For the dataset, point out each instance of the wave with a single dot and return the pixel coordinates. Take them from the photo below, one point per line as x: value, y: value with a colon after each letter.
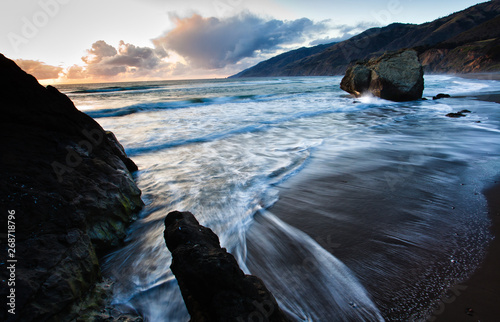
x: 258, y: 126
x: 154, y: 106
x: 114, y: 89
x: 201, y: 139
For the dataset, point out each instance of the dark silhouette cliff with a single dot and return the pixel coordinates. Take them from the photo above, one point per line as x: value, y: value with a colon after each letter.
x: 69, y: 189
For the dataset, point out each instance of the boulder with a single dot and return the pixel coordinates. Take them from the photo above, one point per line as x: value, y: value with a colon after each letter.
x: 213, y: 286
x: 440, y: 96
x: 396, y: 76
x: 458, y: 114
x: 69, y: 186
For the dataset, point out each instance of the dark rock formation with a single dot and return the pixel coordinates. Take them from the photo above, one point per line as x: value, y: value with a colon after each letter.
x: 458, y: 114
x: 440, y: 96
x: 68, y: 184
x: 393, y: 76
x: 213, y: 286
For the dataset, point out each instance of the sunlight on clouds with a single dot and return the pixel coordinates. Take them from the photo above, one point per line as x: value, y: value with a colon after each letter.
x: 174, y: 58
x: 196, y: 46
x: 214, y: 43
x: 38, y: 69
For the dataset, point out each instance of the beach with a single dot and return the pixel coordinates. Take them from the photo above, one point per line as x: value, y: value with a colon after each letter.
x: 323, y: 201
x: 482, y: 292
x: 237, y: 160
x: 348, y: 209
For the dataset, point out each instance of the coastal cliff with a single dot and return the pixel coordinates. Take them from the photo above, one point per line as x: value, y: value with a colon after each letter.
x: 463, y: 42
x: 67, y: 196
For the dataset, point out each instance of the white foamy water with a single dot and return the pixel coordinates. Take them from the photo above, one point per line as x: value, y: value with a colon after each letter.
x: 223, y: 148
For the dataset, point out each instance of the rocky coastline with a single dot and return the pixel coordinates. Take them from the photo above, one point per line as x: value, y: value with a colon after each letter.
x: 68, y: 193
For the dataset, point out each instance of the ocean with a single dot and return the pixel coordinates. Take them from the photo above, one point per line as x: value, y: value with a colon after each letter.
x: 348, y: 209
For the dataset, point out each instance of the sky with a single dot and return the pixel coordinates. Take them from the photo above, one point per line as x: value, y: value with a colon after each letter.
x: 75, y: 41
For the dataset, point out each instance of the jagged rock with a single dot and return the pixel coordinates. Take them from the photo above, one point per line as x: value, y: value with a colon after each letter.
x: 70, y: 186
x: 458, y: 114
x: 454, y: 115
x: 394, y: 76
x: 440, y: 96
x: 213, y: 286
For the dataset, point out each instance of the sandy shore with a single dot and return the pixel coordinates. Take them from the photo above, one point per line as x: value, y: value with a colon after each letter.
x: 310, y: 202
x: 481, y: 293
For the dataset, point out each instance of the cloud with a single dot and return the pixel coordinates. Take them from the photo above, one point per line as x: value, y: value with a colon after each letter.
x: 196, y: 47
x: 213, y: 43
x: 105, y: 61
x: 100, y: 50
x: 38, y: 69
x: 133, y: 56
x: 327, y: 40
x: 345, y: 32
x: 75, y: 72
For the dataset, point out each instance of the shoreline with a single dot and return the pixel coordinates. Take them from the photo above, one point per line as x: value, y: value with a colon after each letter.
x: 316, y: 197
x: 482, y: 292
x: 482, y: 76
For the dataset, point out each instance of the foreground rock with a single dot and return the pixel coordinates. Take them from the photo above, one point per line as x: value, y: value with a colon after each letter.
x: 213, y: 286
x: 68, y: 187
x: 394, y: 76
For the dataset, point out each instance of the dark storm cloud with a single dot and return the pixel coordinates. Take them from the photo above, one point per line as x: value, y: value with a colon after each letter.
x: 215, y: 43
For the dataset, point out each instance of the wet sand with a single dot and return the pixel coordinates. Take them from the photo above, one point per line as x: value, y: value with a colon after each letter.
x: 298, y: 207
x: 318, y: 204
x: 481, y: 293
x: 480, y: 300
x: 378, y: 232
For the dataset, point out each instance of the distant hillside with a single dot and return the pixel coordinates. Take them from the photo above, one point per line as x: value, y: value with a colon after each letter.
x: 275, y: 64
x: 466, y: 41
x: 476, y: 50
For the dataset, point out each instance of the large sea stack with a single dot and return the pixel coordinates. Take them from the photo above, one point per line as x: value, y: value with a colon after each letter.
x: 213, y: 286
x: 396, y: 76
x: 67, y: 195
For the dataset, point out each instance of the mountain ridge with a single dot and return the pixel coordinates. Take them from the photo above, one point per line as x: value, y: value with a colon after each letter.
x: 455, y: 43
